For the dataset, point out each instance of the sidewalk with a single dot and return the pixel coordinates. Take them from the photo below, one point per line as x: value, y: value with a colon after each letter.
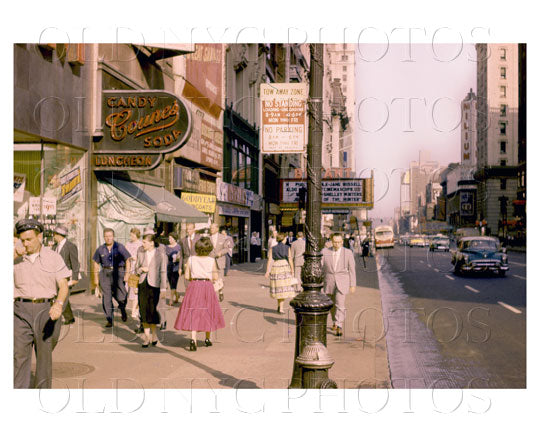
x: 254, y: 350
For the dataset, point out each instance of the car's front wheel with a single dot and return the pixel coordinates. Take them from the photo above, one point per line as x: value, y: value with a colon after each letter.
x: 502, y: 273
x: 457, y: 269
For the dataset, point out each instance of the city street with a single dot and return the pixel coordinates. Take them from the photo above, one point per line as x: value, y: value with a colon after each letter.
x: 255, y: 350
x: 449, y: 331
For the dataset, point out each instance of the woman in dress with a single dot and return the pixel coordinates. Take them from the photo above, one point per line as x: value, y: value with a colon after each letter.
x: 151, y: 266
x: 200, y: 310
x: 133, y: 246
x: 280, y: 270
x: 173, y: 267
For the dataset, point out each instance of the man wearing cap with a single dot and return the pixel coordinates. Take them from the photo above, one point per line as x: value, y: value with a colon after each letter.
x: 69, y: 253
x: 111, y: 279
x: 40, y: 290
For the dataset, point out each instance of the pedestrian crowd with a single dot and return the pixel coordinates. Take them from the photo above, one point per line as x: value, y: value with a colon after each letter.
x: 136, y: 276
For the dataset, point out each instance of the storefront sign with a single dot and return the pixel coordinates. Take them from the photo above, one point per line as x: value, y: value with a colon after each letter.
x: 211, y: 146
x: 115, y: 162
x: 49, y: 206
x: 70, y: 184
x: 143, y: 122
x: 202, y: 202
x: 343, y: 191
x: 230, y: 210
x: 229, y: 193
x: 273, y: 209
x: 466, y: 204
x: 283, y: 118
x: 19, y: 184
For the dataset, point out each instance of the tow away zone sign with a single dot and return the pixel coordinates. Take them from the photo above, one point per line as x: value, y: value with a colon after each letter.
x: 283, y: 118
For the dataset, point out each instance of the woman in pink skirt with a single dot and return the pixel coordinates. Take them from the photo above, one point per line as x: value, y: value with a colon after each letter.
x: 200, y: 310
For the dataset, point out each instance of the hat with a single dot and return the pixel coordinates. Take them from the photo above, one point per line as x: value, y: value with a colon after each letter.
x: 148, y: 231
x: 61, y: 229
x: 28, y: 224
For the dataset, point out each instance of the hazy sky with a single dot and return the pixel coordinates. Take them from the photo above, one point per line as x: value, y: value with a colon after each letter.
x: 389, y: 135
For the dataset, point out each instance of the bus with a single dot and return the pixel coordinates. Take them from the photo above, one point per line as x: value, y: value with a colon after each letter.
x: 384, y: 237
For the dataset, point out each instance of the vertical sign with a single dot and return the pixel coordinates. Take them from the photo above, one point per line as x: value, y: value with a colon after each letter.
x: 283, y: 118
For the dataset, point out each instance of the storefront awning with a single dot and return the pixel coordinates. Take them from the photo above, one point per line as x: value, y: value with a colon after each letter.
x: 168, y: 207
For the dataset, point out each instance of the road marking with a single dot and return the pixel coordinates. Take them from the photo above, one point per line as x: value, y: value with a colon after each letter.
x: 518, y: 264
x: 470, y: 288
x: 429, y: 265
x: 437, y: 270
x: 519, y: 277
x: 450, y: 277
x: 422, y: 261
x: 513, y: 309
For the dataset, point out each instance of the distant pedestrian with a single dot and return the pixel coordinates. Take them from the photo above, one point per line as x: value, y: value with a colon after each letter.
x: 290, y: 238
x: 188, y: 249
x: 40, y: 290
x: 70, y: 254
x: 220, y: 247
x: 340, y: 278
x: 228, y: 256
x: 110, y: 281
x: 280, y: 270
x: 133, y: 246
x: 174, y: 265
x: 200, y: 310
x: 151, y: 266
x: 255, y: 247
x: 297, y: 251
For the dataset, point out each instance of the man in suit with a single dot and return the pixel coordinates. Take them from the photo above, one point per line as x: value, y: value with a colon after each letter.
x: 228, y: 256
x: 69, y: 253
x: 340, y: 278
x: 298, y: 248
x: 188, y: 249
x: 220, y: 243
x: 290, y: 239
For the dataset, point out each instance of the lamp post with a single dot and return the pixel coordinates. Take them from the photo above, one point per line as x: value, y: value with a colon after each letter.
x: 311, y: 306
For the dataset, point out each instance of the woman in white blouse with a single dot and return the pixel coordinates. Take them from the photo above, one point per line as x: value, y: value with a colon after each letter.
x: 200, y: 310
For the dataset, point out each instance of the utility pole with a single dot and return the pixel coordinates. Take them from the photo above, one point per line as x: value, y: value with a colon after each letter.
x: 311, y: 306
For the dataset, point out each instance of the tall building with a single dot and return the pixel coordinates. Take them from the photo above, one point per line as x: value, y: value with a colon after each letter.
x: 497, y: 133
x: 421, y: 173
x: 468, y: 130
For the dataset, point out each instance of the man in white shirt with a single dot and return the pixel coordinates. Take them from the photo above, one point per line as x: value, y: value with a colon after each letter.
x: 340, y: 278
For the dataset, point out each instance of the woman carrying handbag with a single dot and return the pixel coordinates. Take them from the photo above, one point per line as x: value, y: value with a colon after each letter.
x: 151, y: 266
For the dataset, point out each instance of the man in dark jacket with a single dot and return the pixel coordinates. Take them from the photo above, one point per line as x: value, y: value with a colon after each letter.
x: 68, y: 251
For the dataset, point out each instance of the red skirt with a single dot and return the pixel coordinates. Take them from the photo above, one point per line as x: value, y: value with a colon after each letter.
x: 200, y: 310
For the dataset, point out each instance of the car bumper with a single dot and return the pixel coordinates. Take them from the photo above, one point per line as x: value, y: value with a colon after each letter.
x: 485, y: 267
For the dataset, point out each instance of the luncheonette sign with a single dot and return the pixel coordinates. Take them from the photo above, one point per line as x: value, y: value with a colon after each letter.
x: 138, y: 127
x: 283, y: 118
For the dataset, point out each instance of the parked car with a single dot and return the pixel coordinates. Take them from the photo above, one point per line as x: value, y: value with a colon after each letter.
x: 418, y: 240
x: 440, y: 242
x: 480, y: 254
x: 466, y: 232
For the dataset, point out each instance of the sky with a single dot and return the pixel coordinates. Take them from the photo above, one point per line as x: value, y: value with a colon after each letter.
x: 408, y: 99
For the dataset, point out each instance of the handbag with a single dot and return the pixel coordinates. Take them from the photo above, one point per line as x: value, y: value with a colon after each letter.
x: 133, y: 280
x: 218, y: 284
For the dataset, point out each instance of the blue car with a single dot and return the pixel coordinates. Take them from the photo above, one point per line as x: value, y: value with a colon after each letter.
x: 480, y: 254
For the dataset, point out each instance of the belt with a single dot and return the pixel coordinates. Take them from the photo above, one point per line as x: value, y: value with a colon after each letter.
x: 34, y: 300
x: 112, y: 268
x: 206, y: 279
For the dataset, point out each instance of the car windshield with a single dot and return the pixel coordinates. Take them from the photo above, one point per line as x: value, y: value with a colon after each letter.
x: 481, y: 244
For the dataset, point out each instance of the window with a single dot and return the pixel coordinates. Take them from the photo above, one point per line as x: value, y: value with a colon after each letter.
x: 344, y: 58
x: 466, y: 118
x: 503, y: 91
x: 502, y: 128
x: 503, y: 73
x: 502, y: 52
x: 466, y: 135
x: 503, y: 147
x: 503, y: 110
x: 344, y: 77
x: 345, y: 89
x: 503, y: 184
x: 503, y: 162
x: 344, y: 68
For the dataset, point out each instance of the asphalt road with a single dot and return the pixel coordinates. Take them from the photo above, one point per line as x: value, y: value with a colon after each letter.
x: 448, y: 331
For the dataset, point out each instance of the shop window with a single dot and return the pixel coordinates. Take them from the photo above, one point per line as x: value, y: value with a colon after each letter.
x: 503, y: 184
